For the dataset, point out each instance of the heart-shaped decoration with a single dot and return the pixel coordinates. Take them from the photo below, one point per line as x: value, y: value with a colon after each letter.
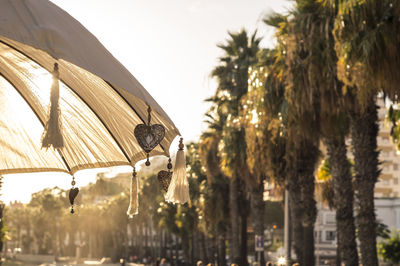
x: 164, y: 178
x: 73, y: 192
x: 149, y: 137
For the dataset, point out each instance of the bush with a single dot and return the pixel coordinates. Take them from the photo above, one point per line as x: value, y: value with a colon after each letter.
x: 389, y: 250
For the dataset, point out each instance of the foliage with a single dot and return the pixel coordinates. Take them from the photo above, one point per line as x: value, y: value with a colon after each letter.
x: 367, y: 31
x: 382, y: 230
x: 390, y: 249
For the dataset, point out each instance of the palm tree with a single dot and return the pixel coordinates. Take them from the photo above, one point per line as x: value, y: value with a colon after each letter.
x: 314, y: 92
x: 302, y: 129
x: 232, y: 76
x: 216, y: 192
x: 282, y: 151
x: 265, y: 143
x: 367, y: 40
x: 312, y: 28
x: 364, y: 132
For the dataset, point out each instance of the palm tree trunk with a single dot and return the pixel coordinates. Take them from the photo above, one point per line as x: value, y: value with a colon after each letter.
x: 192, y: 247
x: 343, y: 200
x: 169, y: 245
x: 146, y: 240
x: 257, y: 209
x: 140, y: 239
x: 364, y: 131
x: 186, y: 247
x: 306, y: 160
x: 234, y: 217
x: 19, y: 236
x: 244, y: 213
x: 204, y: 256
x: 296, y: 215
x: 214, y: 249
x: 221, y: 248
x: 243, y: 236
x: 176, y: 250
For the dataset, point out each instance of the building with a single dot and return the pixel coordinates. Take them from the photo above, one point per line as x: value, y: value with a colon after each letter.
x: 325, y: 236
x: 388, y: 212
x: 388, y: 184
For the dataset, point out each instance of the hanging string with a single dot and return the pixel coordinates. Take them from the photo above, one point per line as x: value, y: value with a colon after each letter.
x: 148, y: 115
x: 169, y: 165
x: 178, y: 190
x: 133, y: 208
x: 149, y: 135
x: 52, y: 135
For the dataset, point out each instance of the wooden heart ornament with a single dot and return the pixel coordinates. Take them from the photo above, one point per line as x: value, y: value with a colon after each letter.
x: 149, y: 137
x: 164, y: 178
x: 73, y: 192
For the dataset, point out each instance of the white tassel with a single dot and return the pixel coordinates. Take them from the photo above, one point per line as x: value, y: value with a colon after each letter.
x: 52, y: 133
x: 178, y: 190
x: 134, y: 199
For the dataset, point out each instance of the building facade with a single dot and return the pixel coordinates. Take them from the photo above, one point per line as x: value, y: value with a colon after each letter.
x: 388, y: 183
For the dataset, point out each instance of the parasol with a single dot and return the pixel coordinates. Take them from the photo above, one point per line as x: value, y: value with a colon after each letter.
x: 66, y: 103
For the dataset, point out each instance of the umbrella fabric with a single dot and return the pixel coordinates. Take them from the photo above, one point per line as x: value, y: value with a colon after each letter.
x: 100, y: 101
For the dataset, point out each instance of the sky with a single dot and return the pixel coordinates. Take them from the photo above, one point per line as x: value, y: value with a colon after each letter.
x: 170, y: 47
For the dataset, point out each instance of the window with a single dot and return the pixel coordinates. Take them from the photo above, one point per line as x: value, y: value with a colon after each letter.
x: 395, y: 181
x: 395, y: 166
x: 330, y: 218
x: 330, y: 235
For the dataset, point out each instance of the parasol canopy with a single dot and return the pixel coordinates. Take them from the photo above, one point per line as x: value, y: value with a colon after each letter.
x: 100, y: 102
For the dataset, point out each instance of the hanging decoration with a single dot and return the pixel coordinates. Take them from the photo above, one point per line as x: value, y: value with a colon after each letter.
x: 149, y: 136
x: 164, y: 177
x: 178, y: 190
x: 73, y: 192
x: 52, y: 135
x: 134, y: 199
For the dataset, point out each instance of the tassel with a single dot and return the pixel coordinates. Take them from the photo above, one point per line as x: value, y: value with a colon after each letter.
x: 178, y: 190
x: 52, y: 134
x: 134, y: 199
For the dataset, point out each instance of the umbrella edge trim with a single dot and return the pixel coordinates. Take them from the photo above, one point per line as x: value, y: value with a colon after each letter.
x: 97, y: 165
x: 31, y: 170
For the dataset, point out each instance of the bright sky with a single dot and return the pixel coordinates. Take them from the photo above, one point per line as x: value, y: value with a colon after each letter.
x: 170, y: 47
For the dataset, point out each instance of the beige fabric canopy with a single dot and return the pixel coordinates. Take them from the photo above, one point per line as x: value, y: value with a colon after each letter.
x: 100, y: 101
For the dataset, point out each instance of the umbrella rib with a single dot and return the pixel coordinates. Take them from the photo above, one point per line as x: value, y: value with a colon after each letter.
x: 69, y: 87
x: 130, y: 105
x: 38, y: 117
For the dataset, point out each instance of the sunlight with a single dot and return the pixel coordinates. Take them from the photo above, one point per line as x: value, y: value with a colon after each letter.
x: 34, y: 182
x: 254, y: 115
x: 281, y: 261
